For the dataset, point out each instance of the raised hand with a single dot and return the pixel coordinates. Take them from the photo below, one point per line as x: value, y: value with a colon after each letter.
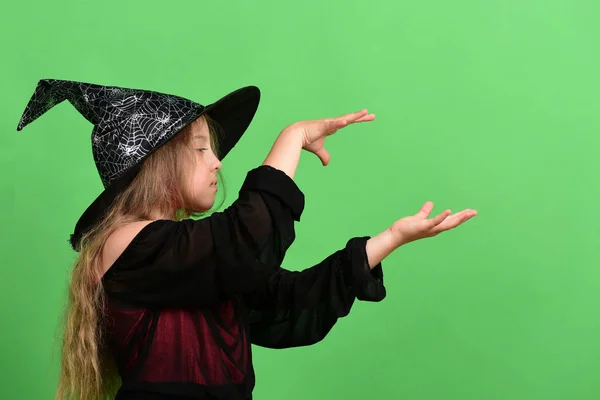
x: 418, y: 226
x: 314, y: 132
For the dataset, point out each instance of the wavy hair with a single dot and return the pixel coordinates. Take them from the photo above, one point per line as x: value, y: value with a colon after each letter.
x: 87, y: 369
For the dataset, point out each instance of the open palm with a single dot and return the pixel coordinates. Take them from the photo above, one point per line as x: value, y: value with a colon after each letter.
x: 418, y: 226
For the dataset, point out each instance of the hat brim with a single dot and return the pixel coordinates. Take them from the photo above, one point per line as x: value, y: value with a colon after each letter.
x: 233, y: 113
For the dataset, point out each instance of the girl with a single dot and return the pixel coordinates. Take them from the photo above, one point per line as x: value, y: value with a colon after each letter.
x: 163, y: 306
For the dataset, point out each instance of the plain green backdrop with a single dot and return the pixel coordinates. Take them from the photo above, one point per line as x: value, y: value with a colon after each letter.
x: 492, y: 105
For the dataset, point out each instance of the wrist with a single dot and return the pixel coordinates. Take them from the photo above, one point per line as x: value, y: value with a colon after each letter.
x: 285, y: 152
x: 380, y: 246
x: 396, y: 238
x: 292, y: 133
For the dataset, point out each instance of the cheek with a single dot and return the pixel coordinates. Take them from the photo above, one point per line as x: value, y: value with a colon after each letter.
x: 199, y: 184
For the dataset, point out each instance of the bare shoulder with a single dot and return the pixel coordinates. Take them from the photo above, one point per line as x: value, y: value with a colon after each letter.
x: 118, y: 241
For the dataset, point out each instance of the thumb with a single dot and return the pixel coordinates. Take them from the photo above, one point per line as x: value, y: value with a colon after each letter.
x: 425, y: 210
x: 323, y: 156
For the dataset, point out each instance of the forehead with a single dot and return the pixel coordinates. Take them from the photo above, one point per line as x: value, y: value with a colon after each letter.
x: 199, y: 138
x: 200, y: 131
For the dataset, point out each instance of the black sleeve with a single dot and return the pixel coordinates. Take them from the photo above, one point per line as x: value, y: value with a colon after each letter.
x: 227, y: 254
x: 299, y: 308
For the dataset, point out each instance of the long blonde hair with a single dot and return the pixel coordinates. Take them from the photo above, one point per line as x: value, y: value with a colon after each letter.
x: 88, y: 370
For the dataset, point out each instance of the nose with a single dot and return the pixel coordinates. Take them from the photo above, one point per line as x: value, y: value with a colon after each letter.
x: 217, y: 164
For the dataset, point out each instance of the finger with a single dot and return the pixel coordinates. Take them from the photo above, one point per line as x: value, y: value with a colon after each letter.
x: 437, y: 220
x: 351, y: 117
x: 457, y: 215
x: 465, y: 214
x: 341, y: 123
x: 425, y: 210
x: 332, y: 125
x: 366, y: 118
x: 323, y: 156
x: 455, y: 220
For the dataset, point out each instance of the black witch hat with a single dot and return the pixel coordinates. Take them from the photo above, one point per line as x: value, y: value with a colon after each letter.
x: 130, y: 124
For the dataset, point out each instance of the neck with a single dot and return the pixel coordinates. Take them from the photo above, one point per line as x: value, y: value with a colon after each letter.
x: 156, y: 214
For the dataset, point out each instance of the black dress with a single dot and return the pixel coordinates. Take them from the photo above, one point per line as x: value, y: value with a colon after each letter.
x: 186, y: 299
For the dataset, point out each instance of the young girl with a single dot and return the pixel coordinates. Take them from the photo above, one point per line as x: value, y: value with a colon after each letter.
x: 163, y: 306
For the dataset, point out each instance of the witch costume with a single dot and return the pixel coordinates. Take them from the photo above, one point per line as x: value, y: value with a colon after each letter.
x: 186, y: 299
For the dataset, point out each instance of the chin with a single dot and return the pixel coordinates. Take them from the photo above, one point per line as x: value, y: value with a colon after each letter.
x: 203, y: 207
x: 200, y: 204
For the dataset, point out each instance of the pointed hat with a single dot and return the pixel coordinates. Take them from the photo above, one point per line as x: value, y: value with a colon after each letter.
x: 130, y: 124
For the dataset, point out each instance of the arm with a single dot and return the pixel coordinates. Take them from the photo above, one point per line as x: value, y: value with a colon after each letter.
x: 285, y: 153
x: 310, y: 136
x: 299, y: 308
x: 206, y: 261
x: 380, y: 246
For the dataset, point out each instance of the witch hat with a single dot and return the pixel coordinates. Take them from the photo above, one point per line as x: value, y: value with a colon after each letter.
x: 130, y: 124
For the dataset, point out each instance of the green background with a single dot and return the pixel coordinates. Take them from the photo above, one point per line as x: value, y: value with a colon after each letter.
x: 492, y: 105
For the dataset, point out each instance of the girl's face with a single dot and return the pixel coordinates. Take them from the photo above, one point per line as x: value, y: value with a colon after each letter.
x: 201, y: 185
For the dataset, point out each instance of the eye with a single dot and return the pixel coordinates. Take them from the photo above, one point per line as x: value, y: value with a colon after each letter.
x: 201, y: 150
